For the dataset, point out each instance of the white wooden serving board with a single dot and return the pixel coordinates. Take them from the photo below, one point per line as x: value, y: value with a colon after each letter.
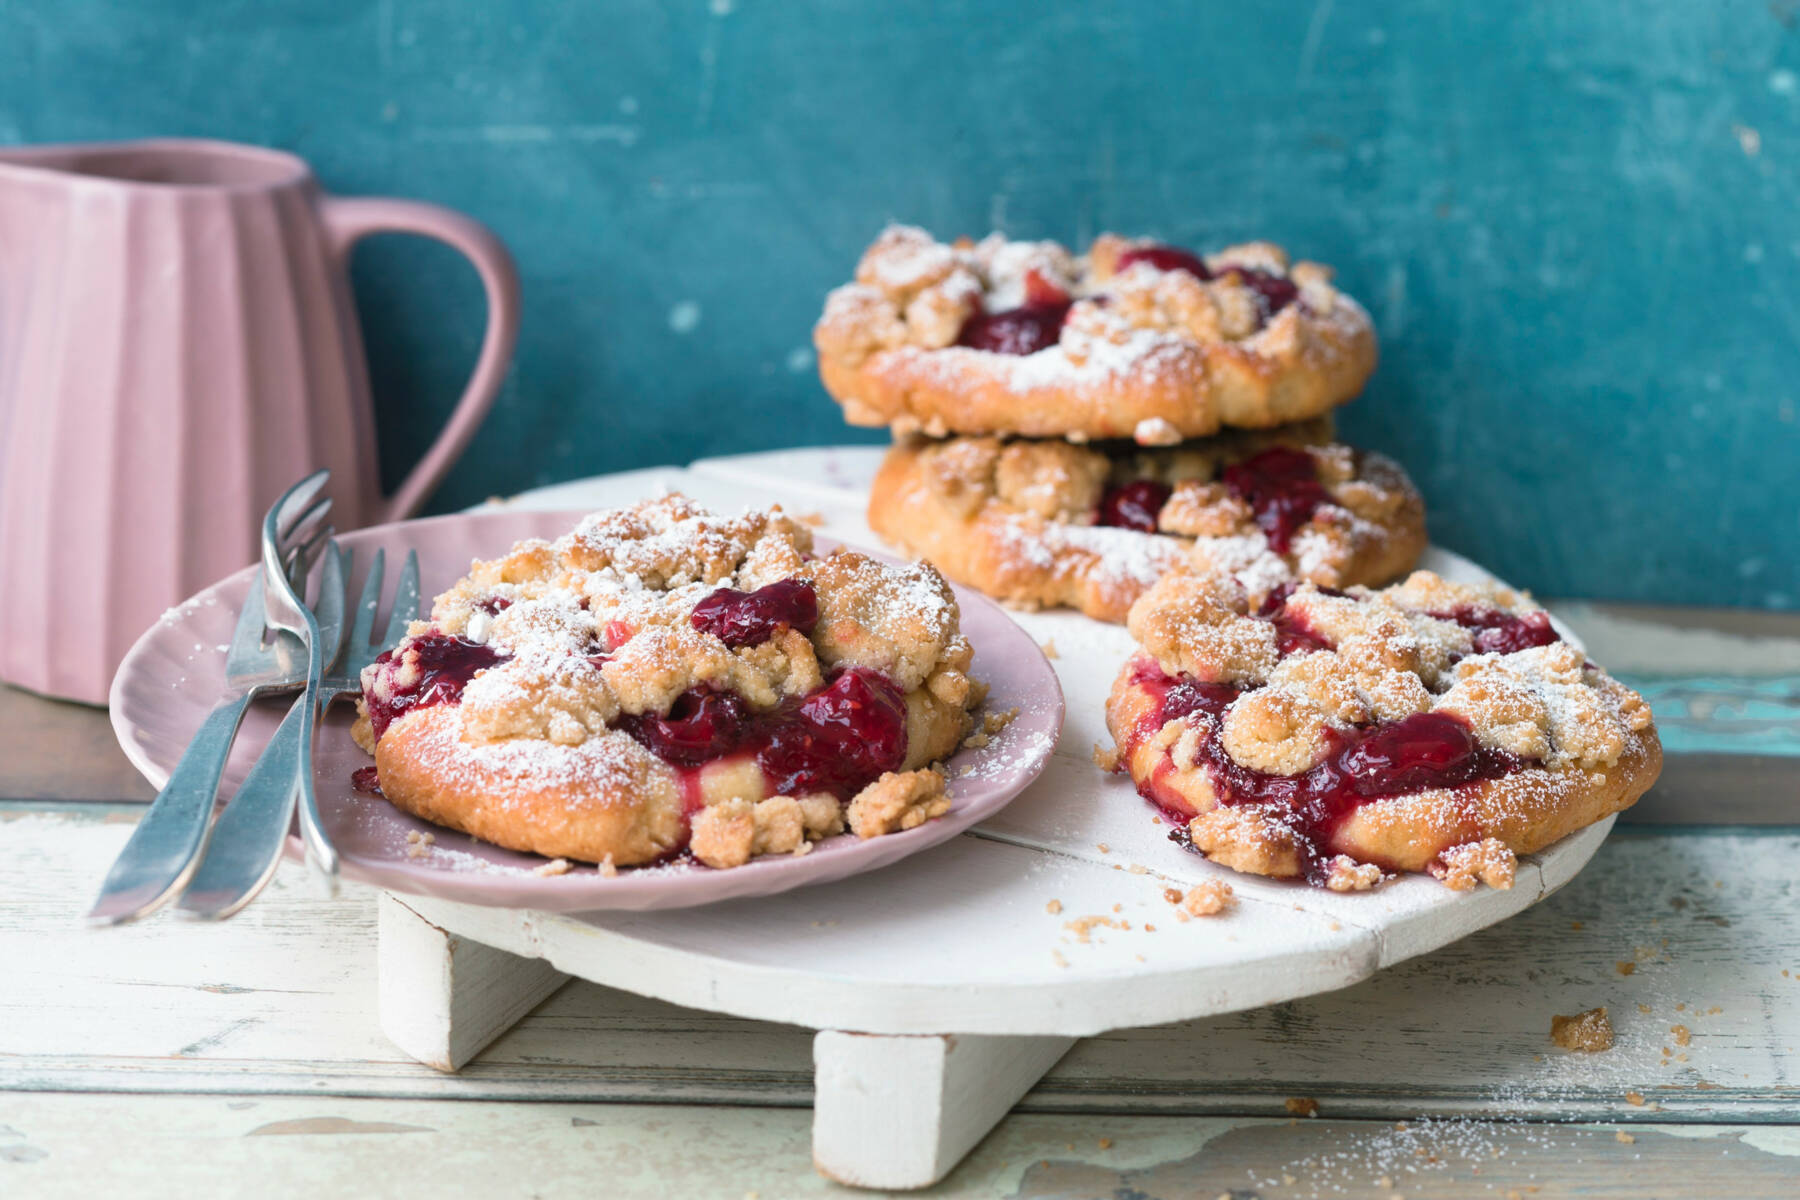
x: 944, y: 986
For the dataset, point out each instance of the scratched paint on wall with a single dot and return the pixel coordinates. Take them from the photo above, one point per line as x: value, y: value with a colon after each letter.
x: 1574, y: 224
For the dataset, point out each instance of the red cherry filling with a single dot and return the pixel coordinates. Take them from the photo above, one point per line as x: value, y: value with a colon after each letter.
x: 700, y: 725
x: 1361, y: 765
x: 839, y: 739
x: 1424, y: 750
x: 493, y: 606
x: 1496, y: 632
x: 445, y: 664
x: 752, y: 618
x: 1134, y: 505
x: 1166, y: 258
x: 1186, y: 696
x: 1041, y: 292
x: 1037, y: 324
x: 366, y: 779
x: 1023, y: 330
x: 1281, y: 486
x: 1273, y: 292
x: 1293, y: 633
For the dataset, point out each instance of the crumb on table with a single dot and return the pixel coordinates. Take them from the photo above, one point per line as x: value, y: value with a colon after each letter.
x: 1301, y: 1106
x: 1203, y: 899
x: 1083, y: 927
x: 1589, y: 1032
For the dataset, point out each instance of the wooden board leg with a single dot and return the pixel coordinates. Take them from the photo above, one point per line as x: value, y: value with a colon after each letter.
x: 443, y: 997
x: 900, y: 1112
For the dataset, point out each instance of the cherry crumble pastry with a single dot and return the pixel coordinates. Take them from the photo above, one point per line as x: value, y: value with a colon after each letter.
x: 1132, y: 340
x: 1042, y: 523
x: 664, y: 679
x: 1338, y: 736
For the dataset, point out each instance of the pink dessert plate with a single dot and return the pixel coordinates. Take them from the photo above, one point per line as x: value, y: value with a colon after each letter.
x: 171, y: 678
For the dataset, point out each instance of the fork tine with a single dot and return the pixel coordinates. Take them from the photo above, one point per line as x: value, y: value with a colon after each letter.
x: 406, y: 600
x: 289, y: 530
x: 305, y: 530
x: 249, y: 629
x: 333, y: 592
x: 299, y: 498
x: 247, y: 638
x: 304, y: 555
x: 291, y: 519
x: 369, y: 602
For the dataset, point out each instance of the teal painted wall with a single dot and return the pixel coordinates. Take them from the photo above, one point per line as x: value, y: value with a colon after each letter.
x: 1575, y: 223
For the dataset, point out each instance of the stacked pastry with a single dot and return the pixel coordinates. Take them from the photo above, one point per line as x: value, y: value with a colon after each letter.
x: 1145, y: 432
x: 1071, y: 428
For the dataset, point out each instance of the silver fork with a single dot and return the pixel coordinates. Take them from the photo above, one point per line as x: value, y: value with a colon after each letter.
x: 164, y: 849
x: 286, y: 609
x: 249, y: 836
x: 247, y: 844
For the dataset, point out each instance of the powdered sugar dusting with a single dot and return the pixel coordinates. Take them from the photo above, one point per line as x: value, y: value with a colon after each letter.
x: 1122, y: 556
x: 606, y: 768
x: 1248, y: 558
x: 1078, y: 361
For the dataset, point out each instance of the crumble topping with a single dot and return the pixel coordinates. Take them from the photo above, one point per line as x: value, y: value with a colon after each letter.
x: 898, y: 801
x: 913, y: 291
x: 1490, y: 861
x: 1345, y: 874
x: 1047, y: 500
x: 1376, y: 657
x: 733, y: 831
x: 1198, y: 625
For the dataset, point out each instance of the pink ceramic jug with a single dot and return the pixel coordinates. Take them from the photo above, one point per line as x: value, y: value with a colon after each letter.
x: 178, y: 344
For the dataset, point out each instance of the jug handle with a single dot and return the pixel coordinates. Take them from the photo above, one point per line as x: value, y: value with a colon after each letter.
x: 348, y: 219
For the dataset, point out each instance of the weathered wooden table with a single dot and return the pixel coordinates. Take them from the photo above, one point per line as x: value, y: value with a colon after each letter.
x: 147, y: 1058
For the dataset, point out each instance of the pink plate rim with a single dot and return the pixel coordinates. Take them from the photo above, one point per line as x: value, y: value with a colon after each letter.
x: 163, y: 690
